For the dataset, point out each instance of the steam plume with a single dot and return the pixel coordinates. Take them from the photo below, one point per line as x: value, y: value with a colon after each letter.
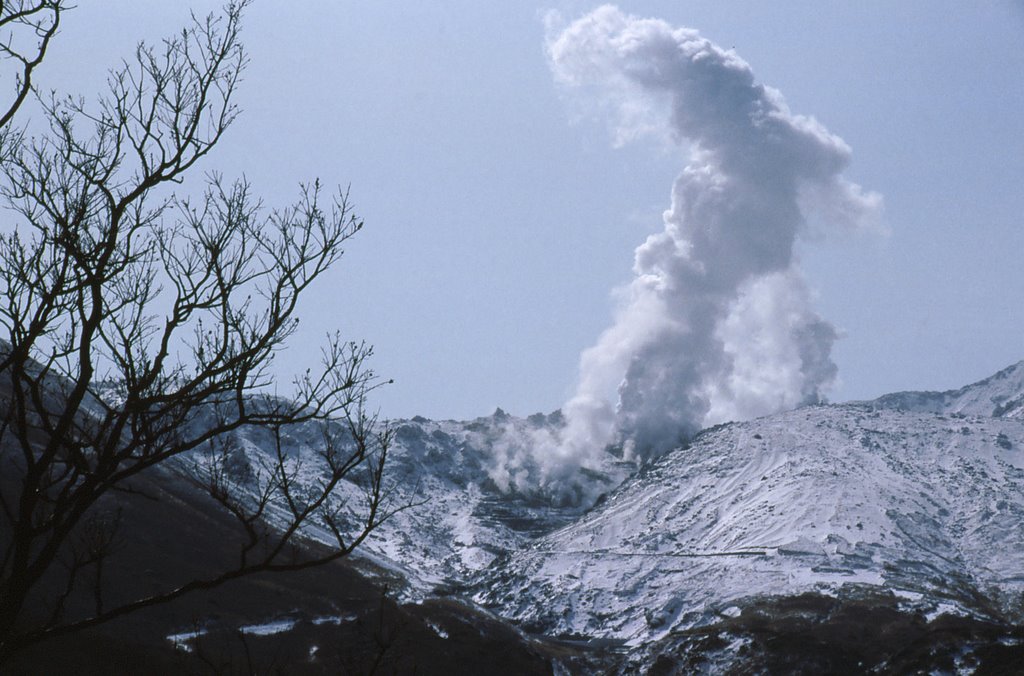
x: 717, y: 323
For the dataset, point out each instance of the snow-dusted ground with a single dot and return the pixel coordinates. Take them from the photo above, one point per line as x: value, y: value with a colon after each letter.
x: 450, y: 519
x: 807, y: 500
x: 458, y: 521
x: 920, y: 494
x: 999, y: 395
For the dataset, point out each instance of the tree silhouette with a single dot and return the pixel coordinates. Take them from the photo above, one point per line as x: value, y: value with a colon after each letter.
x: 139, y: 330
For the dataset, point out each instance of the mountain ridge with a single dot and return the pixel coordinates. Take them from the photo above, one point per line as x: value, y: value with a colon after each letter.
x: 1000, y: 395
x: 916, y: 497
x: 807, y: 527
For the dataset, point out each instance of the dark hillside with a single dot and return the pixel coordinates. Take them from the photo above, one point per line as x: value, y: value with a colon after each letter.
x: 339, y: 621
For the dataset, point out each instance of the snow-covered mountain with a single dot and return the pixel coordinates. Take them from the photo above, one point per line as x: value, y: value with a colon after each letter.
x: 458, y: 521
x: 923, y: 505
x: 1000, y: 396
x: 454, y: 520
x: 914, y: 498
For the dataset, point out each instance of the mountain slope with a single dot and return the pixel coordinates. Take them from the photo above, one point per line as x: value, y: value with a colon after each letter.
x: 1000, y: 395
x: 326, y: 620
x: 885, y: 533
x: 452, y: 520
x: 926, y: 506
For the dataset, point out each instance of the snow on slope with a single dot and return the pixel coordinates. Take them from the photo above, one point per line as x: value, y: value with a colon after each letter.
x: 929, y: 506
x: 925, y: 503
x: 455, y: 521
x: 458, y: 521
x: 999, y: 395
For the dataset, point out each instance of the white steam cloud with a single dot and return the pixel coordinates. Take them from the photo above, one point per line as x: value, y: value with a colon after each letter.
x: 717, y: 323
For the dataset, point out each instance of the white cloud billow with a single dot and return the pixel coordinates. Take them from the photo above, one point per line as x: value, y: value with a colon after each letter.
x: 717, y: 323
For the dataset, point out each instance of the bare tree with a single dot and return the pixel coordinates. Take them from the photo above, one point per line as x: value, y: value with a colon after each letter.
x: 26, y: 28
x: 140, y: 330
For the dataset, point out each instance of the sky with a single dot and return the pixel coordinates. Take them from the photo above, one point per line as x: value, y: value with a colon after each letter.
x: 502, y: 212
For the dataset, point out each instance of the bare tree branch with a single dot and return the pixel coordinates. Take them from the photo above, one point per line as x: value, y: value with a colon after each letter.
x: 139, y: 327
x: 26, y: 29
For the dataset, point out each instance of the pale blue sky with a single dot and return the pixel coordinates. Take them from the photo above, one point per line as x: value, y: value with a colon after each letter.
x: 499, y: 221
